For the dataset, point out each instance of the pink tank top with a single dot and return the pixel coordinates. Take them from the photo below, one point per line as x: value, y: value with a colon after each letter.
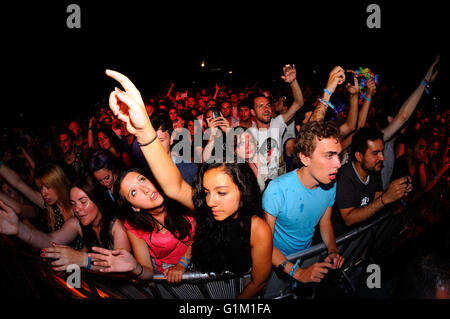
x: 164, y: 248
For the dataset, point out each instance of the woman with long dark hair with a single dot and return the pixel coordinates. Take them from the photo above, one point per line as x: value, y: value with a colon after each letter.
x: 159, y: 229
x: 230, y: 231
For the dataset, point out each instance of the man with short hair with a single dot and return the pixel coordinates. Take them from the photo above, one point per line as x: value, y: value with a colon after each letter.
x: 359, y: 192
x: 269, y: 131
x: 225, y: 109
x: 245, y: 119
x: 188, y: 170
x: 73, y: 161
x: 297, y: 201
x: 80, y: 141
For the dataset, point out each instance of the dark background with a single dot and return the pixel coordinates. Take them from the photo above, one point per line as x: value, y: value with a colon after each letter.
x: 54, y: 73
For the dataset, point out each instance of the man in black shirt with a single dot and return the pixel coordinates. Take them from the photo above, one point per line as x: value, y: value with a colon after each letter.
x: 359, y: 191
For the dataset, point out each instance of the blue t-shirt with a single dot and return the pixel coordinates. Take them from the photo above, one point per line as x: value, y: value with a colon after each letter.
x: 297, y: 210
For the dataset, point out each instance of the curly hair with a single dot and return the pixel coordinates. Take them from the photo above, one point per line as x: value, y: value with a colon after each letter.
x: 211, y: 240
x: 309, y: 134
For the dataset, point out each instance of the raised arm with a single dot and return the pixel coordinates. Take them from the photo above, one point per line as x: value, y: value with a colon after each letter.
x: 11, y: 225
x: 15, y: 181
x: 128, y: 107
x: 350, y: 124
x: 290, y: 76
x: 90, y: 136
x: 170, y: 89
x: 336, y: 77
x: 362, y: 116
x: 408, y: 107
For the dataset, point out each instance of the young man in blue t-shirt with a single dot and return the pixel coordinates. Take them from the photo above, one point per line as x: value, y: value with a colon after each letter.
x: 299, y: 200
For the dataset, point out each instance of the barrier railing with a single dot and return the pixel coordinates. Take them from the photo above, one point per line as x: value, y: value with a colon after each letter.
x: 358, y: 246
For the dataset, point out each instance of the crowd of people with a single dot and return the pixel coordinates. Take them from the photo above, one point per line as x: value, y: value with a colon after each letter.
x: 223, y: 180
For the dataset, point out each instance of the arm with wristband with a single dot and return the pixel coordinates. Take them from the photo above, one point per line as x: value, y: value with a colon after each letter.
x: 174, y: 274
x: 313, y: 273
x: 408, y: 107
x: 336, y: 77
x: 350, y: 124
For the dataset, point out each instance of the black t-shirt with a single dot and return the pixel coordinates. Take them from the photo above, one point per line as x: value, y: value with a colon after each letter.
x: 351, y: 191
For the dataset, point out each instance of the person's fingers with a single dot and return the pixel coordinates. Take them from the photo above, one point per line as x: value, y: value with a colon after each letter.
x: 50, y: 255
x: 123, y: 80
x: 5, y: 207
x: 102, y: 251
x: 60, y: 268
x: 101, y: 263
x: 106, y: 269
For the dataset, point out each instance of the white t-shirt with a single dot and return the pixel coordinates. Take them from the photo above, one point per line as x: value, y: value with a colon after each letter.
x: 269, y: 146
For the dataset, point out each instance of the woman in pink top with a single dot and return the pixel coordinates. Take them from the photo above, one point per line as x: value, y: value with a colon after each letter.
x: 160, y: 230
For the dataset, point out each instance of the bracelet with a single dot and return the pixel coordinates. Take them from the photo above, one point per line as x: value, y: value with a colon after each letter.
x: 88, y: 266
x: 366, y: 98
x: 381, y: 197
x: 142, y: 270
x: 185, y: 259
x: 182, y: 263
x: 294, y: 268
x: 426, y: 85
x: 326, y: 103
x: 328, y: 92
x: 282, y: 265
x: 152, y: 140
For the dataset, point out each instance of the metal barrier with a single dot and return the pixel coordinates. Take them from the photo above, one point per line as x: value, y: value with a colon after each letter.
x: 358, y: 246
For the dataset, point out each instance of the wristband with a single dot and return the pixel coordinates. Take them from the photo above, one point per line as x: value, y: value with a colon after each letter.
x: 186, y: 260
x: 182, y: 263
x: 88, y: 266
x: 366, y: 98
x: 1, y: 163
x: 142, y: 270
x: 293, y: 270
x: 282, y: 265
x: 328, y: 92
x: 148, y: 143
x: 425, y: 84
x: 327, y: 103
x: 381, y: 197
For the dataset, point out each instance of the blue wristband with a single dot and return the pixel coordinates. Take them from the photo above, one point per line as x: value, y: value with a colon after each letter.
x: 326, y: 103
x: 366, y: 98
x: 425, y: 84
x: 293, y: 270
x: 88, y: 266
x: 327, y: 91
x: 184, y: 264
x: 186, y: 260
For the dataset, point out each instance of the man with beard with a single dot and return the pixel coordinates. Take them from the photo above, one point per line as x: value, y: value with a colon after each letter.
x: 359, y: 191
x: 269, y: 131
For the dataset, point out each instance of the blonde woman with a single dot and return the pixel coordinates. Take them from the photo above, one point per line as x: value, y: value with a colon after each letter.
x: 52, y: 197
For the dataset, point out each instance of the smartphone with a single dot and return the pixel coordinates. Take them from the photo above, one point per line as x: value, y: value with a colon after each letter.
x: 349, y: 78
x: 215, y: 114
